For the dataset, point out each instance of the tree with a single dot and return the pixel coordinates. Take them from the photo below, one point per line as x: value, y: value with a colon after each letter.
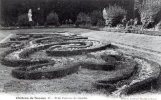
x: 52, y: 19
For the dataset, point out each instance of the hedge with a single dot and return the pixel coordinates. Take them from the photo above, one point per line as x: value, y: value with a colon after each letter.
x: 22, y: 73
x: 111, y: 84
x: 20, y: 38
x: 12, y: 44
x: 94, y: 66
x: 24, y: 61
x: 4, y: 54
x: 147, y: 82
x: 90, y: 48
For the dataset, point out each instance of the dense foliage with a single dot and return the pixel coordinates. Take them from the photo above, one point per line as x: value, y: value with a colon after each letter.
x: 115, y: 14
x: 83, y: 19
x: 66, y: 9
x: 52, y: 19
x: 22, y: 20
x: 150, y: 12
x: 97, y: 18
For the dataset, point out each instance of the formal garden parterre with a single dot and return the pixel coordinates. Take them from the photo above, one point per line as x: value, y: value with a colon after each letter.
x: 57, y: 55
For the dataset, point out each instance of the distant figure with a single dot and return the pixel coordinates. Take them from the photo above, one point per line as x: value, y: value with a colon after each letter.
x: 105, y: 16
x: 104, y: 13
x: 30, y: 17
x: 38, y: 16
x: 124, y: 21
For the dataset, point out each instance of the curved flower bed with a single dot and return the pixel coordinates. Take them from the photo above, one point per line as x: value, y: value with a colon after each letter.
x: 76, y: 48
x: 12, y: 44
x: 56, y: 38
x: 146, y: 76
x: 121, y: 70
x: 46, y: 40
x: 4, y: 54
x: 143, y: 74
x: 21, y: 57
x: 40, y: 72
x: 20, y: 37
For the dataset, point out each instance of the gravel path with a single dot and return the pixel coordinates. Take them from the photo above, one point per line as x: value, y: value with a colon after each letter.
x: 151, y: 43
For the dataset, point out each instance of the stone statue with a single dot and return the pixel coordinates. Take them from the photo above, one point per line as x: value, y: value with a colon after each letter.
x: 107, y: 21
x: 30, y: 15
x: 104, y: 14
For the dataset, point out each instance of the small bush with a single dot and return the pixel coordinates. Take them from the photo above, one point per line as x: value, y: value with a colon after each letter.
x: 83, y: 19
x: 23, y: 20
x: 100, y: 23
x: 97, y: 18
x: 115, y: 14
x: 52, y: 19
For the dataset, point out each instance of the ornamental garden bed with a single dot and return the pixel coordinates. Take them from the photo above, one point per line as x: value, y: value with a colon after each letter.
x: 61, y: 56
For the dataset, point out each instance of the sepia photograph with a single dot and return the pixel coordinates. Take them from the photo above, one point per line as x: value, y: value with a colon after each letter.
x: 80, y: 49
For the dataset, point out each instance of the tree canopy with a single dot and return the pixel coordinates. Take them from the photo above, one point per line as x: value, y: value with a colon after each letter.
x: 66, y: 9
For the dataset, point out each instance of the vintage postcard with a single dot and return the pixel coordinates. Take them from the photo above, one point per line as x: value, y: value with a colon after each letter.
x: 80, y: 49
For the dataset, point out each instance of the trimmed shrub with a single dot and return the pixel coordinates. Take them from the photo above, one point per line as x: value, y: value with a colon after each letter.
x: 123, y: 71
x: 23, y: 20
x: 83, y: 19
x: 115, y: 14
x: 145, y: 78
x: 20, y: 38
x: 23, y: 60
x: 85, y: 47
x: 95, y: 66
x: 102, y: 84
x: 150, y: 12
x: 15, y: 44
x: 52, y: 19
x: 31, y: 73
x: 97, y: 18
x: 4, y: 54
x: 100, y: 23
